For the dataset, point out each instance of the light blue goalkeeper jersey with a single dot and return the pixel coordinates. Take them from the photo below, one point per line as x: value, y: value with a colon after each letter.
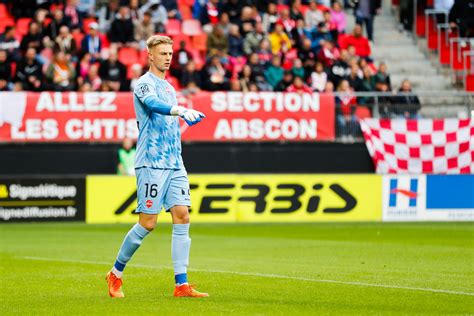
x: 159, y: 137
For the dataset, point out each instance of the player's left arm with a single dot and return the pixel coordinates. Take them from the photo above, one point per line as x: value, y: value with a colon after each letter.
x: 147, y: 95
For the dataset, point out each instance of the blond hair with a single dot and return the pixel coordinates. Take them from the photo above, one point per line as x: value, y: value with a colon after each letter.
x: 157, y: 40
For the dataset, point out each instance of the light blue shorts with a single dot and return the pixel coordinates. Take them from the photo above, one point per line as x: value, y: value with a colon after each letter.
x: 157, y: 188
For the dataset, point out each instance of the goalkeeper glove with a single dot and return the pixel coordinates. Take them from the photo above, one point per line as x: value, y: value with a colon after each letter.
x: 190, y: 116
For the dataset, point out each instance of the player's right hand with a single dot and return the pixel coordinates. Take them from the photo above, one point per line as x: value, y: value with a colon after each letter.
x: 190, y: 116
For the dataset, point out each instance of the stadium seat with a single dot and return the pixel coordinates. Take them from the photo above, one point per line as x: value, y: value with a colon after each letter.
x: 362, y: 112
x: 469, y: 83
x: 173, y: 27
x: 420, y: 25
x: 143, y: 57
x: 191, y: 27
x: 444, y: 35
x: 186, y: 12
x: 128, y: 56
x: 3, y: 11
x: 459, y: 46
x: 181, y: 37
x: 78, y: 36
x: 6, y: 22
x: 22, y: 25
x: 197, y: 58
x: 199, y: 42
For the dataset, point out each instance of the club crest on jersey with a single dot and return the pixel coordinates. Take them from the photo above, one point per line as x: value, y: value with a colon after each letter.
x: 143, y: 89
x: 149, y: 203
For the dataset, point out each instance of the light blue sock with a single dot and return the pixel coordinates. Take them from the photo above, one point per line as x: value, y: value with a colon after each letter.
x: 180, y: 246
x: 130, y: 244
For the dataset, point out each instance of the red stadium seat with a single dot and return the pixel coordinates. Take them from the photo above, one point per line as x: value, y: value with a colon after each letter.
x: 22, y: 25
x: 362, y: 112
x: 444, y: 36
x: 470, y: 83
x: 458, y: 47
x: 143, y: 59
x: 128, y: 56
x: 77, y: 36
x: 199, y: 42
x: 181, y: 37
x: 3, y: 11
x: 6, y: 22
x: 191, y: 27
x: 420, y: 25
x: 173, y: 81
x: 197, y: 58
x: 173, y: 27
x: 186, y: 12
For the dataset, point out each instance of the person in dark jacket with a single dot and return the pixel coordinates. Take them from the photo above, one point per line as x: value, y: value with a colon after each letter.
x: 365, y: 11
x: 462, y: 15
x: 406, y: 104
x: 114, y: 73
x: 29, y: 71
x: 122, y: 29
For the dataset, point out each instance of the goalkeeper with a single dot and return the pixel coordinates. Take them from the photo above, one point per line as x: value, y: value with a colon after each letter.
x: 162, y: 180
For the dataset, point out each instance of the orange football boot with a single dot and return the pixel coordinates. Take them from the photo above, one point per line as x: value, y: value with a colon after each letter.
x: 115, y: 285
x: 186, y: 290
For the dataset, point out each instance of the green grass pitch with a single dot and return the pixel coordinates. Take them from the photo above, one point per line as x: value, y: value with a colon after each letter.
x: 257, y: 269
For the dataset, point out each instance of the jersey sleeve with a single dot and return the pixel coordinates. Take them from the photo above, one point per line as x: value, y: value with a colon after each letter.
x: 145, y: 91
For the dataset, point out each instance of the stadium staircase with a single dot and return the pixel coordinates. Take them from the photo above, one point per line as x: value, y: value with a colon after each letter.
x: 406, y: 60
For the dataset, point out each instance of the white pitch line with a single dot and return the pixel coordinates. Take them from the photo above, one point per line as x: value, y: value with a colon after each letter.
x: 264, y: 275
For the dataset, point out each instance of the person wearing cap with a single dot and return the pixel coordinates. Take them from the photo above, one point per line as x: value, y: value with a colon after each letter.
x: 91, y: 43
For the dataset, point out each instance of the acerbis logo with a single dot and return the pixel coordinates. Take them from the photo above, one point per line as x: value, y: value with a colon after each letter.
x: 3, y: 191
x: 401, y: 191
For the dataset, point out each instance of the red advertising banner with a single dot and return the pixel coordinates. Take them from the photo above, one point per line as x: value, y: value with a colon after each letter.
x: 110, y: 117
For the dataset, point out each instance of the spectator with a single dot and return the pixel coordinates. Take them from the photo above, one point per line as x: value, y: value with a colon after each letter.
x: 298, y: 86
x: 462, y: 15
x: 340, y: 69
x: 51, y: 32
x: 126, y: 158
x: 107, y: 15
x: 113, y: 73
x: 224, y: 23
x: 264, y: 52
x: 180, y: 60
x: 235, y: 85
x: 70, y: 12
x: 246, y: 78
x: 319, y: 78
x: 247, y: 21
x: 5, y: 71
x: 299, y: 34
x: 274, y: 73
x: 280, y: 42
x: 171, y: 7
x: 253, y: 39
x: 82, y: 67
x: 382, y: 75
x: 307, y: 55
x: 407, y: 105
x: 93, y: 78
x: 298, y: 69
x: 190, y: 75
x: 10, y: 44
x: 285, y: 82
x: 135, y: 14
x: 345, y: 112
x: 32, y: 39
x: 360, y: 43
x: 29, y: 71
x: 217, y: 42
x: 258, y: 67
x: 384, y: 101
x: 60, y: 74
x: 92, y: 43
x: 137, y: 72
x: 144, y: 28
x: 354, y: 79
x: 217, y: 78
x: 288, y: 23
x: 65, y: 43
x: 338, y: 17
x: 320, y: 36
x: 208, y: 14
x: 328, y: 54
x: 190, y: 89
x: 329, y: 88
x: 368, y: 83
x: 236, y: 43
x: 365, y: 11
x: 159, y: 16
x: 86, y: 8
x: 122, y: 30
x: 270, y: 17
x: 295, y: 11
x: 313, y: 16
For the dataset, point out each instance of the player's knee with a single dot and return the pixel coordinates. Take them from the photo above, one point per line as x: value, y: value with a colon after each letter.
x: 149, y: 225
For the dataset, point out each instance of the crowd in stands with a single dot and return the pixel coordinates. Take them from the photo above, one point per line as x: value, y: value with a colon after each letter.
x: 298, y: 46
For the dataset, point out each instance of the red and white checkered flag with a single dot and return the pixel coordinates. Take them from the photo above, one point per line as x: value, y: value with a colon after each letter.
x: 420, y: 146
